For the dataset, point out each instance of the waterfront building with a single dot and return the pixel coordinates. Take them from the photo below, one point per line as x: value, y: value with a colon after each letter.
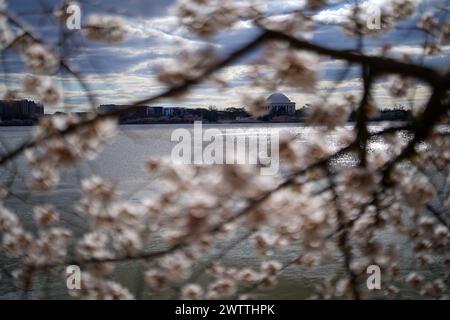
x: 20, y: 110
x: 154, y: 112
x: 140, y: 112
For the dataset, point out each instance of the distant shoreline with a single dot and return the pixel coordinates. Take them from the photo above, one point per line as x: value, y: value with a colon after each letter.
x: 219, y: 122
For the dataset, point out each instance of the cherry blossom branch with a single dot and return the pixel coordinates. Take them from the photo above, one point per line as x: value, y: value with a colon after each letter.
x: 437, y: 214
x: 256, y: 285
x: 421, y: 128
x: 361, y: 115
x: 390, y: 65
x: 252, y: 205
x: 426, y: 74
x: 343, y: 237
x: 63, y: 64
x: 423, y: 125
x: 381, y: 64
x: 185, y: 242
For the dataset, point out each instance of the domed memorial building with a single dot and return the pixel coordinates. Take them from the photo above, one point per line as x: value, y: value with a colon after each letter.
x: 280, y: 104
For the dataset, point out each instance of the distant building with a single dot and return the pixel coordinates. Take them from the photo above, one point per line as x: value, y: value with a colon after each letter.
x: 278, y: 103
x: 173, y: 112
x: 388, y: 115
x: 168, y: 112
x: 112, y: 107
x: 140, y: 112
x: 154, y: 112
x: 20, y: 110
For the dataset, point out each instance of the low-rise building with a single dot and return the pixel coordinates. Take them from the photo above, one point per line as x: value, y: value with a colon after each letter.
x: 140, y: 112
x: 154, y: 112
x: 20, y: 110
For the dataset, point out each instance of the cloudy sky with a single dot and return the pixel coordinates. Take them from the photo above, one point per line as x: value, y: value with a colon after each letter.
x: 125, y: 72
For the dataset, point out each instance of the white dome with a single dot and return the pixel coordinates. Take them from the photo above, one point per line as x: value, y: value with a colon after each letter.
x: 277, y: 98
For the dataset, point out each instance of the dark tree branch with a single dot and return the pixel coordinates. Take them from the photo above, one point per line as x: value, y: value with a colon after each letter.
x: 343, y: 238
x: 381, y: 64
